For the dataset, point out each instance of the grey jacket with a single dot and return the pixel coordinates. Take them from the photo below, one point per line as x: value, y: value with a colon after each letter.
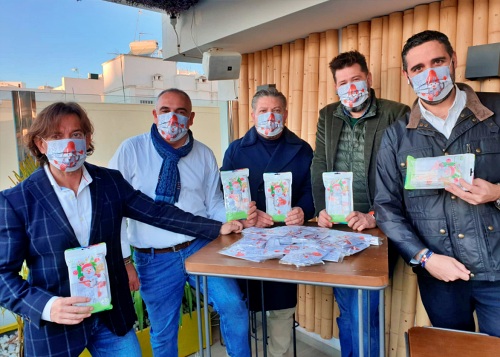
x: 380, y: 115
x: 434, y: 218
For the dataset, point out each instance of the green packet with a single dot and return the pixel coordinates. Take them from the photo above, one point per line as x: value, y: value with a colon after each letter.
x: 278, y: 191
x: 338, y: 195
x: 439, y: 171
x: 236, y: 193
x: 88, y: 275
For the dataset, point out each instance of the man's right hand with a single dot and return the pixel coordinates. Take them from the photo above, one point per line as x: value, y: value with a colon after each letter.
x: 231, y: 227
x: 446, y: 268
x: 133, y: 278
x: 64, y: 311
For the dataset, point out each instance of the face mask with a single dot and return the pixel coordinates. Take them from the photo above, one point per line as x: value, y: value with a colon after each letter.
x: 67, y: 155
x: 354, y: 95
x: 434, y: 84
x: 269, y: 124
x: 172, y: 126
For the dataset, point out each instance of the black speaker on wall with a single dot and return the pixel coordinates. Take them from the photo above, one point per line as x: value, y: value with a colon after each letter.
x: 483, y: 61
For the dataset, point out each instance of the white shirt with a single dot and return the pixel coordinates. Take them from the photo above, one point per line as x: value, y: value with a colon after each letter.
x: 140, y: 164
x: 79, y: 212
x: 446, y: 126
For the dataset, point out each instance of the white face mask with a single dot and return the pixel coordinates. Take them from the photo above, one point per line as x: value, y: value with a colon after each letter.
x: 67, y: 155
x: 434, y: 84
x: 269, y: 124
x: 353, y: 95
x: 172, y: 126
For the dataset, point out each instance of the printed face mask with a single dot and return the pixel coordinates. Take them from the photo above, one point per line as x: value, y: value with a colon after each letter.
x: 269, y: 124
x: 353, y: 95
x: 172, y: 126
x: 434, y: 84
x: 67, y: 155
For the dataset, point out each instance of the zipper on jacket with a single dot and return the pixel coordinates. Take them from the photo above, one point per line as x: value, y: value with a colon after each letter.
x: 468, y: 149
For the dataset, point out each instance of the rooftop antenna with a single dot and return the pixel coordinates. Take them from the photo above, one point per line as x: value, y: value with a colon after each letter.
x: 139, y: 12
x: 76, y: 70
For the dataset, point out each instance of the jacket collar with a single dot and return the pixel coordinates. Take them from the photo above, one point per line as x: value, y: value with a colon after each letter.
x: 473, y: 103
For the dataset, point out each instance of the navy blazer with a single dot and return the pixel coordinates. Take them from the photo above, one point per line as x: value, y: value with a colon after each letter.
x: 34, y: 227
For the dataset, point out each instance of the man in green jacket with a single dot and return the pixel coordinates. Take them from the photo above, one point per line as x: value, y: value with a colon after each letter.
x: 347, y: 140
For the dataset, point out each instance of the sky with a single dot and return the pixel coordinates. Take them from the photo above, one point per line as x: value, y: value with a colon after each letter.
x: 42, y: 41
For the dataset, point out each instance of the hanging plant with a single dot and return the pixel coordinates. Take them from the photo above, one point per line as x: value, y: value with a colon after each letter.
x: 171, y: 7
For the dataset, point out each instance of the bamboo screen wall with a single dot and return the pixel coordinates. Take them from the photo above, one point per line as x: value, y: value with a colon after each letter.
x: 300, y: 70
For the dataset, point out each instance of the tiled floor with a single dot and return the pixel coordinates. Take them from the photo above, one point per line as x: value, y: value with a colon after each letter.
x: 313, y: 348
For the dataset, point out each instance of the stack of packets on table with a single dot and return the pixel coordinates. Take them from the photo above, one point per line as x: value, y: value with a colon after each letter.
x: 298, y: 245
x: 236, y: 193
x: 278, y: 191
x: 88, y: 275
x: 439, y: 171
x: 338, y: 195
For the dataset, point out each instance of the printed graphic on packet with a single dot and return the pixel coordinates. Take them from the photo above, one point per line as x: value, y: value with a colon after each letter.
x: 88, y: 275
x: 278, y: 190
x: 236, y: 193
x: 439, y: 171
x: 338, y: 195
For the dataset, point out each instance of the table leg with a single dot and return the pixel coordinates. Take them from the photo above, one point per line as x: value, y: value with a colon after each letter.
x: 198, y: 314
x: 264, y: 320
x: 381, y: 322
x: 207, y: 322
x: 360, y: 322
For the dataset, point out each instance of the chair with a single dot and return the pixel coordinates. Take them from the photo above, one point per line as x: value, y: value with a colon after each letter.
x: 430, y: 341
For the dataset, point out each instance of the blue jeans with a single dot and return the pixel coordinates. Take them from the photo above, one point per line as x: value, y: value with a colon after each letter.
x: 347, y: 299
x: 104, y: 343
x: 452, y: 304
x: 163, y: 277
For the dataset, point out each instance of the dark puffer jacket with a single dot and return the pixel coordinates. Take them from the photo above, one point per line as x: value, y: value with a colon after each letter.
x: 434, y: 218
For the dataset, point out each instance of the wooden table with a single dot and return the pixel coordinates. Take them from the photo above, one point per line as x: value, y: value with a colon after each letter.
x: 428, y: 341
x: 367, y: 270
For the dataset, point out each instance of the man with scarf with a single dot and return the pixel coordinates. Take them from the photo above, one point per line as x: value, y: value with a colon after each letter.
x: 168, y: 164
x: 450, y: 235
x: 347, y: 140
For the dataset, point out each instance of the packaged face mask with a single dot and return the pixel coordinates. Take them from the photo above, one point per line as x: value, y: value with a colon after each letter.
x: 278, y: 190
x: 338, y: 195
x: 88, y: 275
x: 236, y: 193
x: 439, y: 171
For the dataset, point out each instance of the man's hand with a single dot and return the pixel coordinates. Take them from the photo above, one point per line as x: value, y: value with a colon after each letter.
x: 251, y: 216
x: 324, y: 219
x: 263, y: 219
x: 359, y: 221
x: 295, y: 217
x: 133, y: 278
x: 64, y: 311
x: 446, y: 268
x: 231, y: 227
x: 480, y: 191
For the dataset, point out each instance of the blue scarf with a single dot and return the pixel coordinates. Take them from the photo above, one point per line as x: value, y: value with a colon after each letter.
x: 168, y: 187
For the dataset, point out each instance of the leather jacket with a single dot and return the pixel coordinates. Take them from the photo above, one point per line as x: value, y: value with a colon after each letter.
x: 434, y: 218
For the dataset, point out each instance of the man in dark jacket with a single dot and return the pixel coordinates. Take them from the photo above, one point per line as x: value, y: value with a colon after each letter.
x: 452, y: 235
x: 348, y: 136
x: 270, y: 147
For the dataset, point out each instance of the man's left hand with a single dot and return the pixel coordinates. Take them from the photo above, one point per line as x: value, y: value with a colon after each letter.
x: 359, y: 221
x: 295, y: 217
x: 479, y: 192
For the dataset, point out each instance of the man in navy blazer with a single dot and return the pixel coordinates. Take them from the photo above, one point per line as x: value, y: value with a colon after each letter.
x: 270, y: 147
x: 39, y: 222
